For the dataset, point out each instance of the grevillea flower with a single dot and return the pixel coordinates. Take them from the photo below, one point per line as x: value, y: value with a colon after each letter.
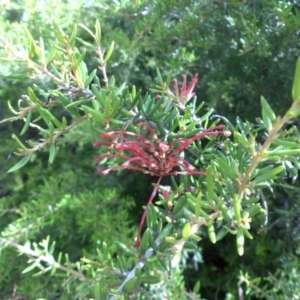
x: 183, y: 95
x: 151, y: 156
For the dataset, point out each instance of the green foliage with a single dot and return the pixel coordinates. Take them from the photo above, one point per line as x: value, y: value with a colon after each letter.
x: 73, y: 229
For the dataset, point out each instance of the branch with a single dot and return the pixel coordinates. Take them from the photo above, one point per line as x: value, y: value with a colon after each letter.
x: 175, y: 248
x: 46, y: 258
x: 55, y: 137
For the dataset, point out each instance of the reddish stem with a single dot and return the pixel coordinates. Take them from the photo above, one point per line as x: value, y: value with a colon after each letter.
x: 138, y: 239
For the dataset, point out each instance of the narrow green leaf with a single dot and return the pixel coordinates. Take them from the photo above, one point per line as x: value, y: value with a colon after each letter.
x: 100, y: 96
x: 10, y: 119
x: 19, y: 142
x: 198, y: 204
x: 221, y: 233
x: 226, y: 168
x: 105, y: 251
x: 97, y: 291
x: 211, y: 233
x: 104, y: 291
x: 261, y: 171
x: 196, y: 288
x: 52, y: 154
x: 148, y: 279
x: 195, y: 237
x: 121, y: 263
x: 31, y: 267
x: 268, y: 175
x: 207, y: 115
x: 27, y: 123
x: 267, y: 108
x: 225, y: 212
x: 77, y: 103
x: 190, y: 245
x: 253, y: 210
x: 116, y: 107
x: 110, y: 51
x: 125, y: 250
x: 232, y: 231
x: 171, y: 116
x: 170, y: 239
x: 210, y: 184
x: 64, y: 123
x: 59, y: 257
x: 88, y: 30
x: 34, y: 48
x: 155, y: 108
x: 53, y: 271
x: 199, y: 107
x: 169, y: 78
x: 51, y: 132
x: 90, y: 77
x: 107, y: 107
x: 73, y: 35
x: 20, y: 164
x: 192, y: 200
x: 97, y: 36
x: 277, y: 152
x: 97, y: 116
x: 145, y: 241
x: 151, y: 218
x: 286, y: 143
x: 130, y: 285
x: 83, y: 42
x: 79, y: 57
x: 179, y: 205
x: 151, y: 236
x: 250, y: 201
x: 33, y: 97
x: 133, y: 92
x: 52, y: 247
x: 237, y: 208
x: 267, y: 122
x: 11, y: 108
x: 296, y: 83
x: 100, y: 257
x: 56, y: 122
x: 82, y: 72
x: 186, y: 231
x: 158, y: 116
x: 167, y: 230
x: 59, y: 33
x: 247, y: 234
x: 96, y: 104
x: 160, y: 80
x: 268, y: 115
x: 241, y: 139
x: 138, y: 276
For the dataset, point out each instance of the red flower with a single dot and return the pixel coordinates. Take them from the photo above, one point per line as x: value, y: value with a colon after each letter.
x: 186, y: 93
x: 151, y: 156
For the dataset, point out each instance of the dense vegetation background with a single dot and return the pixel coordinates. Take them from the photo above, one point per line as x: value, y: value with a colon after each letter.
x: 241, y: 50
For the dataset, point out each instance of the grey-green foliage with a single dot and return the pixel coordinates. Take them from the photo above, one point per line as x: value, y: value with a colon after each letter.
x: 240, y: 49
x: 71, y: 211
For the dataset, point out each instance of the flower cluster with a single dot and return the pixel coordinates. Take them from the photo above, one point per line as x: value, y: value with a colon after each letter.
x: 151, y: 155
x: 183, y: 95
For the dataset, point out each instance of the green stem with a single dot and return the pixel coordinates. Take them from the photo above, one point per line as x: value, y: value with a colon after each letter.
x: 259, y: 155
